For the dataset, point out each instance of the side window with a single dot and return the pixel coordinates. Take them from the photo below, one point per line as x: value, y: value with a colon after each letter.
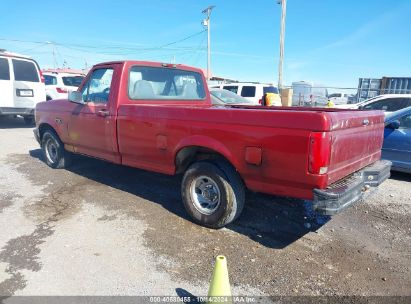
x: 270, y: 89
x: 50, y: 80
x: 405, y: 122
x: 397, y: 104
x: 389, y: 104
x: 4, y: 69
x: 248, y: 91
x: 97, y: 88
x: 233, y: 89
x: 25, y: 71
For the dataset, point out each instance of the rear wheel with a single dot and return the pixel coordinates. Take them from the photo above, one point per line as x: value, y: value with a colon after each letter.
x: 213, y: 193
x: 53, y: 150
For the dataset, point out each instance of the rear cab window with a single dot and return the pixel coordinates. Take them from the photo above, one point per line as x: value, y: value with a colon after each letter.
x: 4, y: 69
x: 25, y: 71
x: 161, y: 83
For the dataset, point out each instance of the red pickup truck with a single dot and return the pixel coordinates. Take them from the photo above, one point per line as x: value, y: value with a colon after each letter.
x: 160, y: 117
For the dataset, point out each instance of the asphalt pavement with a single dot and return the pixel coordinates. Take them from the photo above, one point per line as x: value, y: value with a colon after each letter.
x: 102, y: 229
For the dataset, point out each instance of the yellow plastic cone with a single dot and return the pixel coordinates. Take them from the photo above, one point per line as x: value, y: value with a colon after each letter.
x: 220, y: 284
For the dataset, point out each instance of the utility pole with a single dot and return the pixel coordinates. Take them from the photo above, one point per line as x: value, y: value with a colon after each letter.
x: 54, y: 53
x: 283, y: 4
x: 206, y: 22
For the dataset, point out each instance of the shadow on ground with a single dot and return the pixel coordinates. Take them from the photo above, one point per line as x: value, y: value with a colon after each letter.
x: 274, y: 222
x: 401, y: 176
x: 11, y: 122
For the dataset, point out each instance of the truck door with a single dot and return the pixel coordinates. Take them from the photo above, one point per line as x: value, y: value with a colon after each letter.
x: 92, y: 126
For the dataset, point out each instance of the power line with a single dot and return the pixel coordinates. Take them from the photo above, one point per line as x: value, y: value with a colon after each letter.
x: 81, y: 47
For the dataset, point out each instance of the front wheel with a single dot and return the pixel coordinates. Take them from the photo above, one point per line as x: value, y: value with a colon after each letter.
x: 53, y: 150
x: 213, y: 193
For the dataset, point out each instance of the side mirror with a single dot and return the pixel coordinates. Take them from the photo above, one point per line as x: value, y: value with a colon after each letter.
x: 393, y: 125
x: 76, y: 97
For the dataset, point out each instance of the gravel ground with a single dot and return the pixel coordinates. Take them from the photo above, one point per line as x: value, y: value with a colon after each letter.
x: 103, y: 229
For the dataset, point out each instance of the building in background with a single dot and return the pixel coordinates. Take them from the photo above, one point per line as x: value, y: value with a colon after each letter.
x: 371, y: 87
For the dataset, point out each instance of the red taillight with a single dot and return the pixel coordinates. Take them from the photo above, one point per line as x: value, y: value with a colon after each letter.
x: 60, y: 90
x: 42, y: 77
x: 320, y: 150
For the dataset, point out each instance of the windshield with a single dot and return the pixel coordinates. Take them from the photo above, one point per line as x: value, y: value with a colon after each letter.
x: 73, y: 81
x: 229, y: 97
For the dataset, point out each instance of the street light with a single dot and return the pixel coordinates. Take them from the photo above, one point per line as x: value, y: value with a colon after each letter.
x: 283, y: 4
x: 206, y: 23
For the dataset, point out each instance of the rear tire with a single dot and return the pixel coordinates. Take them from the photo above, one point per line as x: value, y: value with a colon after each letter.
x: 29, y: 120
x: 213, y: 193
x: 53, y: 149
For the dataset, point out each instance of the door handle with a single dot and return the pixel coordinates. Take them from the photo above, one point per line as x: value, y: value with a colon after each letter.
x: 103, y: 113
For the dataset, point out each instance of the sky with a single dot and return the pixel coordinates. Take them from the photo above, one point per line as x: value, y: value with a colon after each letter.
x: 328, y: 42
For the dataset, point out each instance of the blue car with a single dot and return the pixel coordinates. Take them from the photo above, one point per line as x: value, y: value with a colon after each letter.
x: 397, y: 140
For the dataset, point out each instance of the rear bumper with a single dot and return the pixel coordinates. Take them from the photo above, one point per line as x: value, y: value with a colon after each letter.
x: 351, y: 189
x: 16, y: 111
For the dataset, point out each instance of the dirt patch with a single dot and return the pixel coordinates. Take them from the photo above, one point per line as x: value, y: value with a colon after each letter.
x: 6, y: 199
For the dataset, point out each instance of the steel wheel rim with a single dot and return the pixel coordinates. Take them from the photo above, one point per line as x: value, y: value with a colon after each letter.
x: 205, y: 194
x: 51, y: 151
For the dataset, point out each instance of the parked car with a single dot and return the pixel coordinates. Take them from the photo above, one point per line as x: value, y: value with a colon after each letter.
x: 58, y: 84
x: 397, y: 140
x: 224, y: 97
x: 21, y: 85
x: 387, y: 103
x: 159, y: 117
x: 252, y: 91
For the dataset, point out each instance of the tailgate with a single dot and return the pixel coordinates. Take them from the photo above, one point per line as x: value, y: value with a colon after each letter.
x: 357, y: 138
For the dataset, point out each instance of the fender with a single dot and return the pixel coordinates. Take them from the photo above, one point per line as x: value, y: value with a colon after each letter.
x: 208, y: 143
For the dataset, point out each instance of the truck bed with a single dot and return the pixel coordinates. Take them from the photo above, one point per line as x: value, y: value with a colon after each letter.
x: 282, y: 135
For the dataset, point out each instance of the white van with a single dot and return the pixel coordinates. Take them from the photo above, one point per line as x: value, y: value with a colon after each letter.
x: 21, y: 85
x: 251, y: 91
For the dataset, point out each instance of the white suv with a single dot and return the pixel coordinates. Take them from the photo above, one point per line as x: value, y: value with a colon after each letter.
x: 21, y: 85
x: 252, y: 91
x: 59, y: 84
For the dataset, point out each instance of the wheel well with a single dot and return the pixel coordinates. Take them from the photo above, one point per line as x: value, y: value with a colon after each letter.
x: 43, y: 128
x: 189, y: 155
